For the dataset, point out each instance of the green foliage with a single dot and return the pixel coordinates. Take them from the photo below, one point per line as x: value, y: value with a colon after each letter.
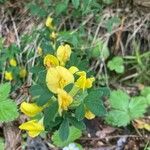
x: 8, y: 108
x: 64, y: 130
x: 41, y: 94
x: 76, y: 3
x: 124, y: 108
x: 80, y: 112
x: 74, y: 134
x: 146, y: 93
x: 2, y: 147
x: 93, y: 102
x: 116, y: 64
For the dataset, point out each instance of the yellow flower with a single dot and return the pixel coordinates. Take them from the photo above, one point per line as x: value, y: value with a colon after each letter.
x: 30, y: 109
x: 89, y: 115
x: 13, y: 62
x: 64, y: 100
x: 33, y: 127
x: 73, y: 69
x: 39, y: 51
x: 49, y: 22
x: 53, y: 35
x: 58, y: 78
x: 83, y: 82
x: 50, y: 61
x: 8, y: 76
x: 63, y: 53
x: 23, y: 73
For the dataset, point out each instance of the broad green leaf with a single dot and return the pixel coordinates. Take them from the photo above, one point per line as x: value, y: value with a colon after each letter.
x: 74, y: 134
x: 137, y: 107
x: 118, y: 118
x: 80, y: 112
x: 93, y: 102
x: 119, y: 100
x: 116, y: 64
x: 76, y: 3
x: 4, y: 91
x: 50, y: 113
x: 8, y: 110
x: 60, y: 8
x: 64, y: 130
x: 2, y: 144
x: 78, y: 124
x: 41, y: 94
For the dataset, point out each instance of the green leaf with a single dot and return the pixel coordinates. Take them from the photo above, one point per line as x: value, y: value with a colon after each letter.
x: 137, y: 107
x: 60, y: 8
x: 41, y: 94
x: 74, y: 134
x: 64, y: 130
x: 4, y: 91
x: 50, y: 113
x: 80, y: 112
x: 119, y: 100
x: 118, y: 118
x: 93, y: 102
x: 2, y: 144
x: 116, y: 64
x: 78, y: 124
x: 76, y: 3
x: 146, y: 93
x: 8, y: 110
x: 125, y: 109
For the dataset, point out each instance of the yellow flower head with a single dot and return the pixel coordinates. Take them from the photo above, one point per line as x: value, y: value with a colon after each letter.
x: 73, y: 69
x: 39, y: 51
x: 49, y: 22
x: 23, y: 73
x: 33, y: 127
x: 53, y: 35
x: 84, y: 82
x: 8, y: 76
x: 30, y: 109
x: 64, y: 100
x: 63, y: 53
x: 50, y: 61
x: 58, y: 78
x: 89, y: 115
x: 13, y: 62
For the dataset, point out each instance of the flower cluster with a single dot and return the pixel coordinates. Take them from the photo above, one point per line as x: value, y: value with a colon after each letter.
x: 58, y: 77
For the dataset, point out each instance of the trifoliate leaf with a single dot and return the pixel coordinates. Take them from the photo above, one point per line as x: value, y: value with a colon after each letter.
x: 116, y: 64
x: 78, y: 124
x: 118, y: 118
x: 119, y: 100
x: 74, y: 134
x: 80, y: 112
x: 137, y: 107
x: 64, y: 130
x: 50, y: 114
x: 4, y: 91
x: 125, y: 109
x: 93, y: 102
x: 41, y: 94
x: 8, y: 110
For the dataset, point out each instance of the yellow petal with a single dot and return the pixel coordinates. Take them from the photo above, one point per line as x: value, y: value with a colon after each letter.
x: 83, y: 82
x: 58, y: 78
x: 73, y: 69
x: 13, y: 62
x: 33, y: 127
x: 39, y: 51
x: 30, y: 109
x: 23, y: 73
x: 64, y: 100
x: 50, y: 61
x: 49, y: 22
x: 53, y: 35
x: 89, y: 115
x: 8, y: 76
x: 63, y: 53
